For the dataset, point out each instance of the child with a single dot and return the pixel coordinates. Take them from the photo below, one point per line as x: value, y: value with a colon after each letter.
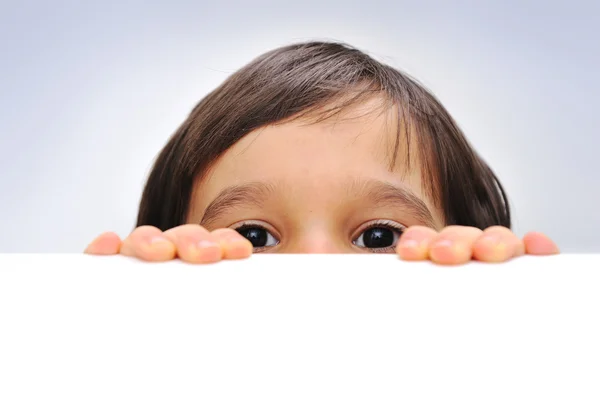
x: 318, y: 148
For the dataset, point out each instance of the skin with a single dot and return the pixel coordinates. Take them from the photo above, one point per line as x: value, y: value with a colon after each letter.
x: 322, y: 183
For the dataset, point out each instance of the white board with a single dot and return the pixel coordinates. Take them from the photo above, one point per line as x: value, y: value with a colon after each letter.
x: 299, y: 334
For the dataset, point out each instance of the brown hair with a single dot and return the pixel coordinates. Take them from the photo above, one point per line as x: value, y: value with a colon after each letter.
x: 290, y: 82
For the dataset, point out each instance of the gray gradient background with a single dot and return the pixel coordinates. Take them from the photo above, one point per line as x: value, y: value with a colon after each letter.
x: 91, y: 91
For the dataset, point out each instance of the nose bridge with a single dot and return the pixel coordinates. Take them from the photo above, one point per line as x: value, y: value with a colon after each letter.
x: 318, y: 240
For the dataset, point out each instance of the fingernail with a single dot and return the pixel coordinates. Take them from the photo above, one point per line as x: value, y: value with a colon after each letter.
x: 233, y: 238
x: 206, y: 244
x: 443, y: 243
x: 209, y: 251
x: 496, y: 250
x: 157, y: 240
x: 490, y: 239
x: 409, y: 244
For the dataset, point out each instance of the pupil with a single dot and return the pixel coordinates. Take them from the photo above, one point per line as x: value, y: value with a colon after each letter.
x: 378, y: 237
x: 257, y: 236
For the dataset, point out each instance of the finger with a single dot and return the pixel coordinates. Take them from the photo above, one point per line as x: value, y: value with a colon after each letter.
x: 233, y: 244
x: 497, y: 244
x: 454, y: 245
x: 148, y: 243
x: 414, y: 243
x: 105, y: 244
x: 195, y: 244
x: 539, y: 244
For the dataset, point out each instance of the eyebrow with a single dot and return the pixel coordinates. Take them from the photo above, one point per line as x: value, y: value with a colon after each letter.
x: 382, y: 193
x: 253, y: 194
x: 379, y: 193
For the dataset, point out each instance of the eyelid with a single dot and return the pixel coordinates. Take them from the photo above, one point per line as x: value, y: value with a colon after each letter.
x: 379, y: 223
x: 256, y: 223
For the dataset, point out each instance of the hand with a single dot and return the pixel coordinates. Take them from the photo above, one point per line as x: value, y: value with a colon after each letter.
x: 191, y: 243
x: 458, y: 245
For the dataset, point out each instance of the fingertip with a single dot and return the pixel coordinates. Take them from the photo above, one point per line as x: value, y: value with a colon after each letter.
x: 454, y: 245
x: 538, y: 244
x: 204, y: 251
x: 238, y: 249
x: 157, y: 249
x: 149, y: 244
x: 412, y: 250
x: 234, y: 246
x: 449, y: 252
x: 492, y: 249
x: 497, y: 244
x: 194, y: 244
x: 414, y: 243
x: 108, y: 243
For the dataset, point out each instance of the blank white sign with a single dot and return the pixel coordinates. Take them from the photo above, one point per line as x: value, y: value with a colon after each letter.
x: 299, y: 334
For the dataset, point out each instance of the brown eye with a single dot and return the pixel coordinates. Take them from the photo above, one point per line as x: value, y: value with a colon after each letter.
x: 379, y: 237
x: 258, y: 236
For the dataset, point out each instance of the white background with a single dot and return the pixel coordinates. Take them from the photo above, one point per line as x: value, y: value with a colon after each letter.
x: 299, y: 334
x: 91, y: 90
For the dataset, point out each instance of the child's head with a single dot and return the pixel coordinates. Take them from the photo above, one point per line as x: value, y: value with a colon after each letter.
x: 319, y: 147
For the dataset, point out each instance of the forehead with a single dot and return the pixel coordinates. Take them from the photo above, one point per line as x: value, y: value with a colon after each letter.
x: 362, y: 132
x: 316, y: 155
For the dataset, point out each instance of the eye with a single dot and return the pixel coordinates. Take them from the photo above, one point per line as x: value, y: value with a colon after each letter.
x: 381, y: 236
x: 259, y: 236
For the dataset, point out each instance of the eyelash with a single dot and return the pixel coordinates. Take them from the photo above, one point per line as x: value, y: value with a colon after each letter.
x: 374, y: 224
